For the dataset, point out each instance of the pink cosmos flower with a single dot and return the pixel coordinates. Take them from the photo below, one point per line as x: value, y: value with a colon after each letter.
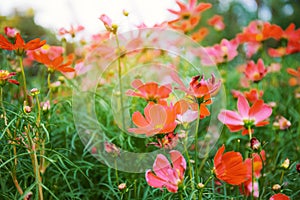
x: 255, y: 72
x: 11, y: 32
x: 166, y: 175
x: 219, y: 53
x: 281, y: 123
x: 246, y: 117
x: 150, y: 91
x: 72, y: 31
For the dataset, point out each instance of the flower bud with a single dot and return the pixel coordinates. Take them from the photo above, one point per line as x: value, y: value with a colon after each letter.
x: 200, y: 185
x: 34, y: 91
x: 276, y: 187
x: 298, y: 167
x: 122, y: 186
x: 286, y: 164
x: 27, y: 109
x: 125, y: 13
x: 254, y: 143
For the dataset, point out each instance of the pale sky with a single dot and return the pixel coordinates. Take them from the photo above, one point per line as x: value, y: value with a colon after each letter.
x: 55, y: 14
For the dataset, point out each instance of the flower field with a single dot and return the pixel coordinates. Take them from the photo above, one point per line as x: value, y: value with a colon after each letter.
x: 189, y: 108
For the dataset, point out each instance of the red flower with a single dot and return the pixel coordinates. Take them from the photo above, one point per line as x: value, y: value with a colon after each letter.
x: 5, y: 76
x: 255, y: 72
x: 150, y: 91
x: 279, y: 196
x: 20, y: 46
x: 229, y: 167
x: 55, y: 64
x: 188, y: 16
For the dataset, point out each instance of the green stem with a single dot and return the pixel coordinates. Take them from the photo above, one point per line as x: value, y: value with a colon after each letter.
x: 23, y: 77
x: 196, y: 146
x: 281, y: 177
x: 252, y: 164
x: 262, y: 182
x: 4, y: 113
x: 189, y: 164
x: 120, y: 82
x: 202, y: 189
x: 116, y: 170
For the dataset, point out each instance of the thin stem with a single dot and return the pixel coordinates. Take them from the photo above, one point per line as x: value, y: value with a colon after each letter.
x: 196, y: 146
x: 202, y: 189
x: 189, y: 163
x: 281, y: 177
x: 116, y: 170
x: 120, y: 82
x: 252, y: 165
x: 23, y: 77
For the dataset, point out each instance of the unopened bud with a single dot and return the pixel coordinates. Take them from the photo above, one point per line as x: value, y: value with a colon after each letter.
x: 27, y: 109
x: 276, y: 187
x: 200, y: 185
x: 122, y: 186
x: 298, y: 167
x: 125, y: 13
x: 254, y: 143
x: 285, y: 164
x: 34, y: 91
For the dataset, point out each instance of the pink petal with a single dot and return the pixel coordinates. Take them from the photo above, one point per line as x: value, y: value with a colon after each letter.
x: 260, y: 111
x: 230, y: 117
x: 161, y: 166
x: 136, y: 83
x: 243, y: 106
x: 178, y: 162
x: 158, y: 116
x: 154, y: 180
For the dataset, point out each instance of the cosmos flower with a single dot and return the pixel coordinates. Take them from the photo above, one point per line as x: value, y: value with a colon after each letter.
x: 217, y: 22
x: 5, y: 76
x: 247, y: 117
x: 255, y: 72
x: 166, y: 175
x: 188, y: 16
x: 158, y: 119
x: 55, y: 64
x: 279, y: 196
x: 229, y: 167
x: 150, y: 91
x: 20, y: 46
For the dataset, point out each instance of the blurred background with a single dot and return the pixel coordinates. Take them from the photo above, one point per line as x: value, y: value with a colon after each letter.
x: 36, y: 18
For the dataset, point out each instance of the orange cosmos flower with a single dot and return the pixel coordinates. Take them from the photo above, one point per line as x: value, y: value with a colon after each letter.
x: 150, y: 91
x: 229, y: 167
x: 158, y: 119
x: 5, y: 76
x: 55, y: 64
x: 20, y: 46
x: 296, y: 73
x: 188, y: 16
